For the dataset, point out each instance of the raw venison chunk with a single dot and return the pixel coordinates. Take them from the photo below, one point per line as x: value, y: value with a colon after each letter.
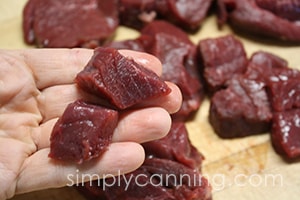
x: 178, y: 55
x: 69, y: 23
x: 263, y: 66
x: 287, y: 9
x: 83, y: 132
x: 156, y: 179
x: 240, y: 110
x: 251, y: 17
x: 285, y: 133
x: 137, y: 13
x: 175, y: 146
x: 187, y: 14
x: 119, y: 79
x: 284, y: 94
x: 221, y: 58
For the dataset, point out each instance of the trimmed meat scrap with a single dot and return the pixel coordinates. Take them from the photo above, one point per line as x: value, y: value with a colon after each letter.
x: 119, y: 79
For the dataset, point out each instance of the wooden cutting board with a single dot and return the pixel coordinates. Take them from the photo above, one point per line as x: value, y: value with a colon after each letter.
x: 244, y: 168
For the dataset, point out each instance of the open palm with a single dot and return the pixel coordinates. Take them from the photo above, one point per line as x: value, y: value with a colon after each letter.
x: 35, y: 87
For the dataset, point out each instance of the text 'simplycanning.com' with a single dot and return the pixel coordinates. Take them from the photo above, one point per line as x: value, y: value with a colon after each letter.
x: 217, y: 181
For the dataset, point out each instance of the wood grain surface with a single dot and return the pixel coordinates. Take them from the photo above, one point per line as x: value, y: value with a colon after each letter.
x: 244, y: 168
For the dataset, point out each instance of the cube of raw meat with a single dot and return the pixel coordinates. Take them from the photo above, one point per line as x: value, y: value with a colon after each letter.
x: 187, y: 14
x: 240, y: 110
x: 175, y: 146
x: 287, y: 9
x: 284, y: 94
x: 119, y: 79
x: 69, y: 23
x: 263, y: 65
x: 285, y: 133
x: 222, y: 58
x: 178, y: 55
x: 83, y: 132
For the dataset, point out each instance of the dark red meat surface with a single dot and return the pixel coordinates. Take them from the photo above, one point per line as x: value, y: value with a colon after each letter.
x: 178, y: 55
x: 284, y: 94
x: 119, y: 79
x: 175, y: 146
x: 180, y: 65
x: 247, y: 105
x: 240, y: 110
x: 69, y: 23
x: 187, y: 14
x: 251, y: 17
x: 222, y: 58
x: 137, y: 13
x: 83, y: 132
x: 263, y: 66
x: 285, y: 133
x: 287, y: 9
x: 156, y: 179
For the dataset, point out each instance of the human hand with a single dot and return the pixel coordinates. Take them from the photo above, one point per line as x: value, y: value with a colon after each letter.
x: 36, y: 85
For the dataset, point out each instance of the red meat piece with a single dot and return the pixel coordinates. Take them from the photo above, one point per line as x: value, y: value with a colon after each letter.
x: 175, y: 146
x: 119, y: 79
x: 156, y: 179
x: 251, y: 18
x: 284, y: 94
x: 263, y: 65
x: 240, y: 110
x: 222, y: 58
x: 137, y: 13
x: 281, y: 82
x: 83, y: 132
x: 178, y: 55
x: 287, y: 9
x: 285, y: 133
x: 69, y: 23
x: 187, y: 14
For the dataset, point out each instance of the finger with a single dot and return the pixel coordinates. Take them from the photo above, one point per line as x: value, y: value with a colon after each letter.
x: 136, y: 126
x: 52, y: 101
x: 60, y: 66
x: 120, y: 158
x: 143, y: 125
x: 55, y: 66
